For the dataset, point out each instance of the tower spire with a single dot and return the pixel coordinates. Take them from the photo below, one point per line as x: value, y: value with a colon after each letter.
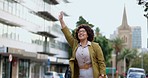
x: 124, y: 19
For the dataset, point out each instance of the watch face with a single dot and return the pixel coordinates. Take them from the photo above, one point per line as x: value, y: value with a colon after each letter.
x: 102, y: 75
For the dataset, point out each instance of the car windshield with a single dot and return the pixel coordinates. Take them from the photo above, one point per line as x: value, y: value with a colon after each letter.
x: 137, y: 71
x: 136, y: 76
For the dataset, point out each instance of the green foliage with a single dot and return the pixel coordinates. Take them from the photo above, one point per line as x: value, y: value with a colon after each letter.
x: 79, y: 22
x: 106, y: 48
x: 117, y: 44
x: 129, y: 55
x: 138, y: 60
x: 97, y: 31
x: 132, y: 53
x: 83, y: 21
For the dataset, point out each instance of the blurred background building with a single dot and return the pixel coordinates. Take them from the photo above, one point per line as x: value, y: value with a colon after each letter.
x: 131, y: 35
x: 136, y: 37
x: 31, y: 43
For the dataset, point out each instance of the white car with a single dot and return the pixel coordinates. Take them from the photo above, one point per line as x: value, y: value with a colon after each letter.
x: 51, y: 74
x: 141, y: 70
x: 136, y: 75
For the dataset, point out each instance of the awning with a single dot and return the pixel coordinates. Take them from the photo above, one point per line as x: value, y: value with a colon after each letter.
x: 66, y: 1
x: 20, y: 53
x: 47, y: 53
x: 63, y: 61
x: 46, y: 15
x: 54, y: 2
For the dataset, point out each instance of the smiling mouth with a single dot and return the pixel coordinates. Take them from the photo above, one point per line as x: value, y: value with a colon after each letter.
x: 81, y: 35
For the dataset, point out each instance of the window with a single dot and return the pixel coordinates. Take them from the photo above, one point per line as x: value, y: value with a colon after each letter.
x: 35, y: 71
x: 23, y: 68
x: 6, y: 69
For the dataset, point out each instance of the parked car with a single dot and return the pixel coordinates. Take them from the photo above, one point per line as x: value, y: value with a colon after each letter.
x: 136, y: 75
x: 51, y: 74
x: 61, y: 75
x: 141, y: 70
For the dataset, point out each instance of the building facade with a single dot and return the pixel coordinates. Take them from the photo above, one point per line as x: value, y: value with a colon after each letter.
x: 125, y: 31
x: 31, y: 43
x: 136, y: 37
x: 131, y: 36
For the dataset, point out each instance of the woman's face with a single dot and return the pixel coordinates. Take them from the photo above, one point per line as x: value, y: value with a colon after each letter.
x: 82, y: 34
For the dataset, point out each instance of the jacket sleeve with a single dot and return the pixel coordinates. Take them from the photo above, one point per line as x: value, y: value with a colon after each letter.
x: 70, y: 39
x: 100, y: 58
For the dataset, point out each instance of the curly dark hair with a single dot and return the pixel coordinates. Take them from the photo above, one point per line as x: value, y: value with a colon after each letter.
x: 89, y: 31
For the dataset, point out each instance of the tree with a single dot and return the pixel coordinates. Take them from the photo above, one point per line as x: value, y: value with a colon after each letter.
x: 132, y: 54
x: 83, y: 21
x: 105, y: 45
x: 137, y: 62
x: 106, y: 48
x: 118, y: 45
x: 79, y: 22
x: 97, y: 31
x: 145, y: 3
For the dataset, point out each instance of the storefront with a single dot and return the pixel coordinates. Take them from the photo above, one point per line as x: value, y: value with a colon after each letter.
x: 35, y: 70
x: 18, y: 68
x: 6, y: 67
x: 22, y: 65
x: 28, y: 64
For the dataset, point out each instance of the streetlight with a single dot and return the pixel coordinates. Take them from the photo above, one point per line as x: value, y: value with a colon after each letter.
x: 145, y: 4
x: 125, y: 62
x: 142, y: 60
x: 146, y: 15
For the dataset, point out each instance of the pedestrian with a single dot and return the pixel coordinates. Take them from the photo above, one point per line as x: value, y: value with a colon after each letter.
x: 87, y: 59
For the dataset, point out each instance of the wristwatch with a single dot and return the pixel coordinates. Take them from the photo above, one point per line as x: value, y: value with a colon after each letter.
x: 102, y: 75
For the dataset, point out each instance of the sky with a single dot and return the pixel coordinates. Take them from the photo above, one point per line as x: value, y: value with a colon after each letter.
x: 106, y: 14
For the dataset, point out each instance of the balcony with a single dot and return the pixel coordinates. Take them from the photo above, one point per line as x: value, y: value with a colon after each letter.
x: 9, y: 23
x: 46, y: 15
x: 46, y: 34
x: 53, y: 2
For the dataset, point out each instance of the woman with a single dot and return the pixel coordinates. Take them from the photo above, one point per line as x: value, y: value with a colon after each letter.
x: 87, y: 59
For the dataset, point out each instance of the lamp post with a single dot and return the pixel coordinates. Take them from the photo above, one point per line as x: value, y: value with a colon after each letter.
x: 142, y: 60
x: 125, y: 62
x: 145, y: 4
x: 146, y: 15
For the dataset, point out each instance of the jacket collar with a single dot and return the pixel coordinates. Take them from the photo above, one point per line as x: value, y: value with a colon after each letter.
x: 88, y: 43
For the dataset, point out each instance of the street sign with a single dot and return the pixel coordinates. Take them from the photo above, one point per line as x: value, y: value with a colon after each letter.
x: 10, y: 57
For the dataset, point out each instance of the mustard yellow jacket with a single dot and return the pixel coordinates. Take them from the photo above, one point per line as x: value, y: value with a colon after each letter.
x: 96, y: 56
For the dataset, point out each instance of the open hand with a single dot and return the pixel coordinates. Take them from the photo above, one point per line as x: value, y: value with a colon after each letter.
x: 61, y: 15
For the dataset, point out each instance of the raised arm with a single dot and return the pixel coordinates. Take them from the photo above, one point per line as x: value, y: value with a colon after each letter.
x: 63, y: 25
x: 66, y: 31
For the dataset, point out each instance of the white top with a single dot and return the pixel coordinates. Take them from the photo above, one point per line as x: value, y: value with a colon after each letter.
x: 82, y: 54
